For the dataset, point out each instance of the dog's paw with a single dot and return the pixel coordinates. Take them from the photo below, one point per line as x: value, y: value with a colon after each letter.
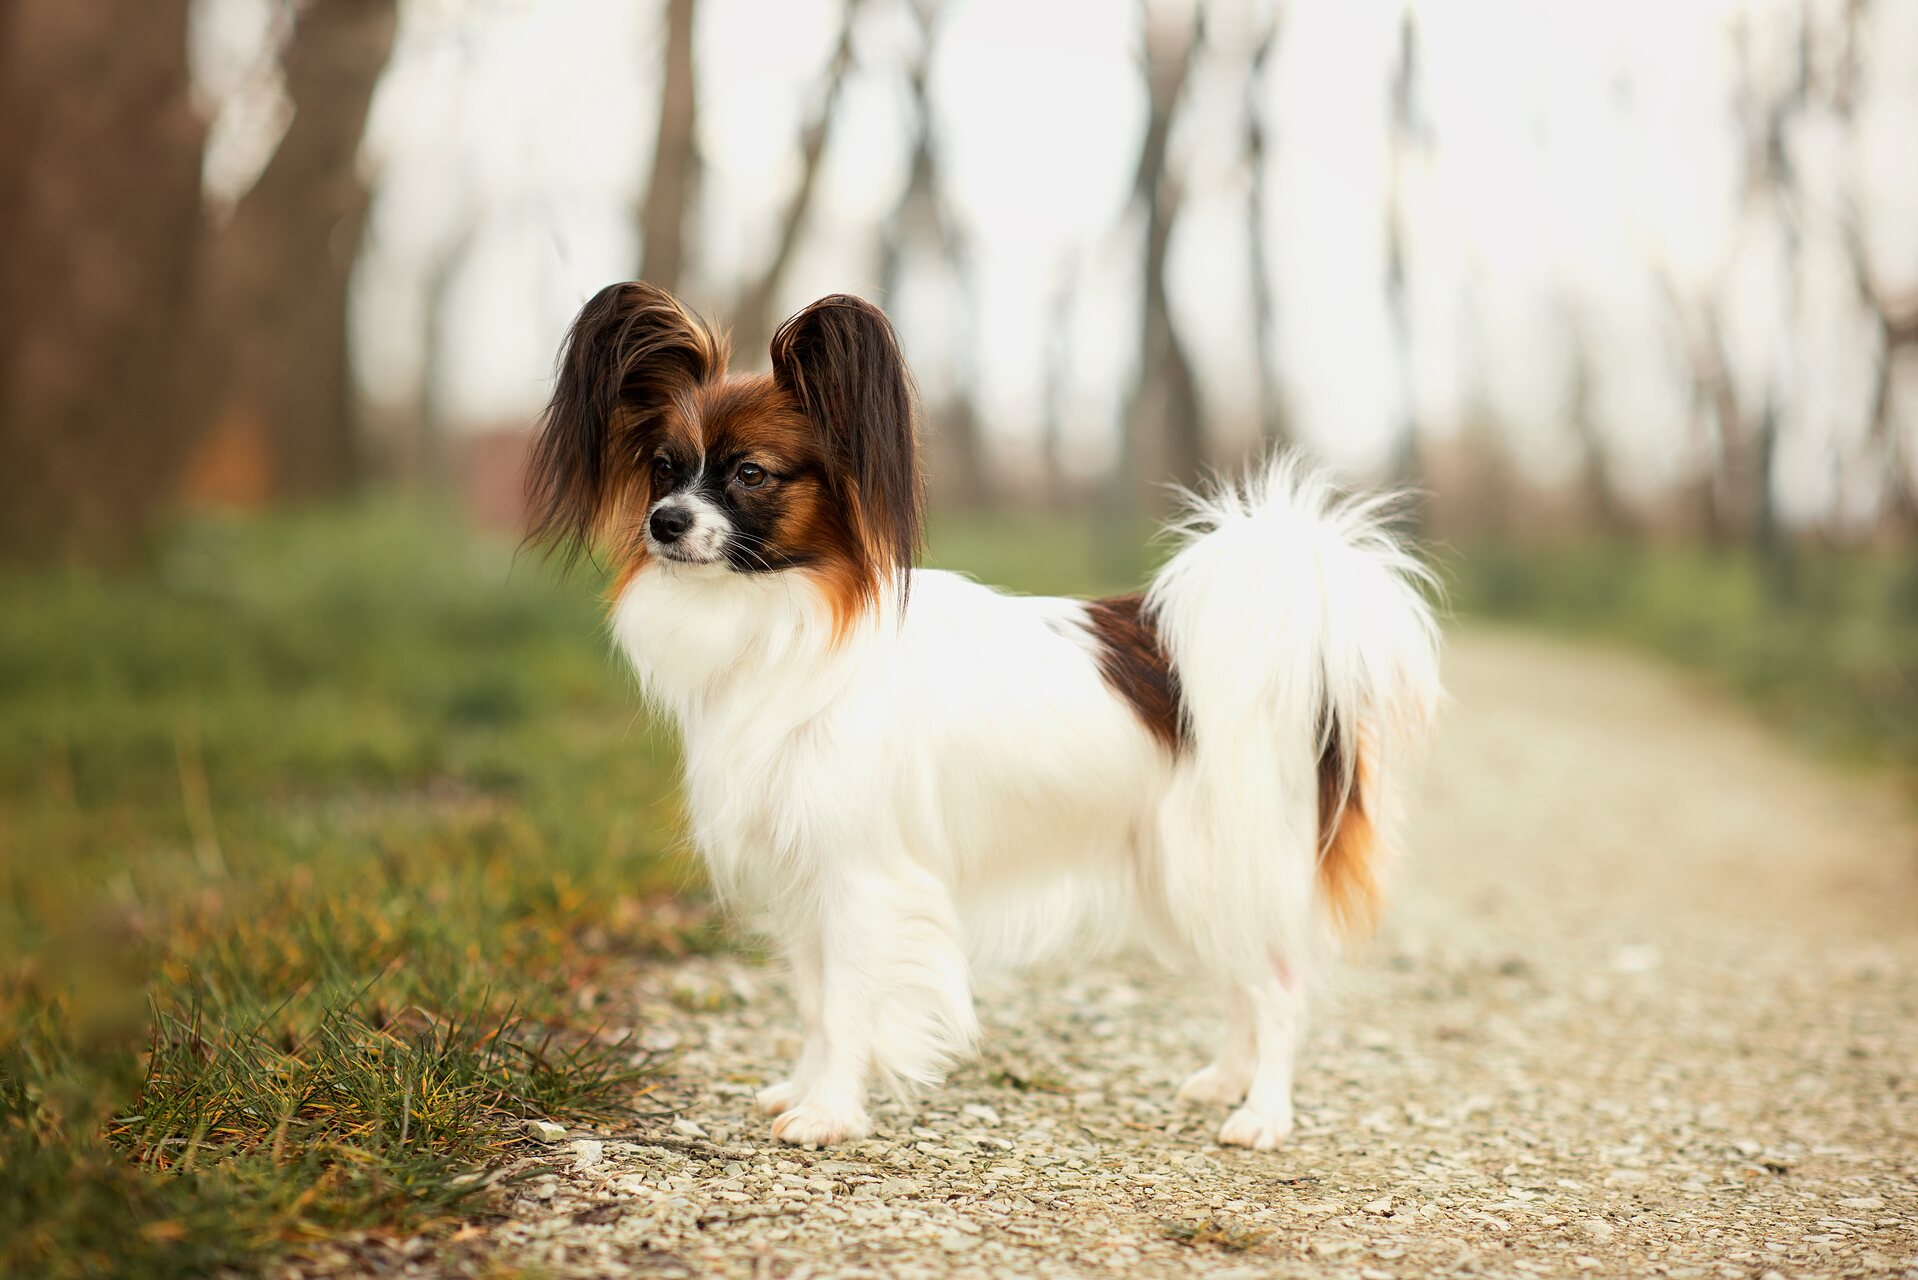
x: 776, y: 1099
x: 807, y: 1122
x: 1214, y: 1086
x: 1256, y: 1127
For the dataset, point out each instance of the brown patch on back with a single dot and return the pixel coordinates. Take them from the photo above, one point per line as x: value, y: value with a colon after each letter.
x: 1135, y: 664
x: 1348, y: 842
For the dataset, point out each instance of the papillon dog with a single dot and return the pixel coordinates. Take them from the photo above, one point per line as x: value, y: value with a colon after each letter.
x: 904, y: 777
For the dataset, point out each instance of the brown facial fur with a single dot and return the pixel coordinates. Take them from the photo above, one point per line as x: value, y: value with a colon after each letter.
x: 840, y: 361
x: 631, y: 351
x: 802, y: 518
x: 833, y: 426
x: 1136, y: 666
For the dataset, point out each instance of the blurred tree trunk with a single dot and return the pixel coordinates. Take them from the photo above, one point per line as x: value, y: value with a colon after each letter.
x: 1771, y: 183
x: 960, y: 471
x: 1165, y: 427
x: 1058, y: 385
x: 1735, y: 492
x: 100, y: 226
x: 753, y: 318
x: 1894, y: 318
x: 1274, y: 425
x: 669, y: 192
x: 434, y: 427
x: 1595, y: 463
x: 1896, y: 322
x: 1716, y: 412
x: 274, y: 323
x: 1407, y: 467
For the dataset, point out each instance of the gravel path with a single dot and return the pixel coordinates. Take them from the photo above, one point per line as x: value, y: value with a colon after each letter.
x: 1647, y: 1004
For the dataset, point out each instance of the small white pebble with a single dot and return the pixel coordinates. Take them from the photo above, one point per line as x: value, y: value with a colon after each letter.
x: 1380, y: 1207
x: 545, y: 1131
x: 1641, y: 958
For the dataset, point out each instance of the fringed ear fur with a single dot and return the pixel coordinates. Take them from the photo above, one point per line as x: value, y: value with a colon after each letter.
x: 840, y: 361
x: 630, y: 352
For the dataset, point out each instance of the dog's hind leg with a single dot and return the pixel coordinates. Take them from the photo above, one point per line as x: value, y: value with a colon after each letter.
x: 1234, y: 877
x: 1277, y: 1003
x: 1224, y: 1081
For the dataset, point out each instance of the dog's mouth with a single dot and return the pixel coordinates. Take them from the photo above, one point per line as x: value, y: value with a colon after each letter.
x: 680, y: 553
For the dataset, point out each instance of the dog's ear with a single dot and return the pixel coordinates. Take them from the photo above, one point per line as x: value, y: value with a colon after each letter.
x: 840, y: 360
x: 632, y: 349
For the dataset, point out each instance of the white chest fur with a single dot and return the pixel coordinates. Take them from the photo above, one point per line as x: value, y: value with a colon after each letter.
x: 976, y: 741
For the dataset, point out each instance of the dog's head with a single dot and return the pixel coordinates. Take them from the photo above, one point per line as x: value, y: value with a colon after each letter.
x: 653, y: 452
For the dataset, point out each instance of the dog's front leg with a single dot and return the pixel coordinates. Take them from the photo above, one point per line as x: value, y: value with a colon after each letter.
x: 804, y: 964
x: 833, y: 971
x: 893, y: 996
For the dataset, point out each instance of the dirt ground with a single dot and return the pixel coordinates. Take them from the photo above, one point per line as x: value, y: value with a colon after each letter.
x: 1647, y: 1004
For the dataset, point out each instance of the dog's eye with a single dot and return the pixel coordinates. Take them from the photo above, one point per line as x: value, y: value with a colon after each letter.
x: 663, y: 469
x: 750, y: 475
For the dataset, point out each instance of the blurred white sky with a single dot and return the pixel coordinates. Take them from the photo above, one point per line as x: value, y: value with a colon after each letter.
x: 1569, y: 149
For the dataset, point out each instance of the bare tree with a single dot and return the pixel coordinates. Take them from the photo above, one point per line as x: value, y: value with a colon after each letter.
x: 1734, y: 490
x: 1595, y: 463
x: 1896, y: 321
x: 442, y: 275
x: 669, y: 192
x: 1273, y: 424
x: 960, y: 469
x: 1716, y: 413
x: 1406, y: 142
x: 1894, y: 316
x: 274, y: 321
x: 1165, y: 424
x: 1058, y: 383
x: 1767, y: 115
x: 100, y: 218
x: 753, y: 318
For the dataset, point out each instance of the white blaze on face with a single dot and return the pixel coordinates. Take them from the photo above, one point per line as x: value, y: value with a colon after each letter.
x: 687, y: 527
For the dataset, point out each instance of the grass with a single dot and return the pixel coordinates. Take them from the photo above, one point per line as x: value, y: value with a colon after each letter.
x: 321, y: 842
x: 1024, y: 551
x: 324, y: 839
x: 318, y: 842
x: 1831, y: 658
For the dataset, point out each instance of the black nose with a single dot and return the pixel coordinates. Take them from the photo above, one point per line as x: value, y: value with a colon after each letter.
x: 669, y: 524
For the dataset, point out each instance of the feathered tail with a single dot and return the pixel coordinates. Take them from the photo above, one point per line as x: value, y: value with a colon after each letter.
x: 1307, y: 660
